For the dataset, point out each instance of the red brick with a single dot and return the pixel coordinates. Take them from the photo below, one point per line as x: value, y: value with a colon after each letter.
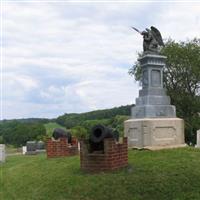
x: 60, y: 148
x: 115, y: 156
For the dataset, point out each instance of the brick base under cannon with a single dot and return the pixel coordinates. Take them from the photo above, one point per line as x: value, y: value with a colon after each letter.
x: 60, y: 148
x: 115, y: 156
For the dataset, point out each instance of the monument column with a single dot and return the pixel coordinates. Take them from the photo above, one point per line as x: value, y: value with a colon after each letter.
x: 153, y: 122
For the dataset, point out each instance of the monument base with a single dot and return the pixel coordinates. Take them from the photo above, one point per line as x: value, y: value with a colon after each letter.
x: 155, y: 133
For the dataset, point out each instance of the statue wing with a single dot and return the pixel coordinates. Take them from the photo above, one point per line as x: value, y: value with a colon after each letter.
x: 157, y: 35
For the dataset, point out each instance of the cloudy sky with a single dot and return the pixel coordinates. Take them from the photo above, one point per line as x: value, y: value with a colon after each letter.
x: 60, y: 57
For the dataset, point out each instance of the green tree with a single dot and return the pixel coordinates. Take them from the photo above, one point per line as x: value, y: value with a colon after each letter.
x: 79, y: 132
x: 72, y: 120
x: 118, y: 123
x: 18, y: 133
x: 1, y: 139
x: 182, y: 81
x: 88, y: 124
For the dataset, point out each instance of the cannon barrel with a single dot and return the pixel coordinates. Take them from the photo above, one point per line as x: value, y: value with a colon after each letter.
x: 61, y: 133
x: 100, y: 132
x: 97, y: 136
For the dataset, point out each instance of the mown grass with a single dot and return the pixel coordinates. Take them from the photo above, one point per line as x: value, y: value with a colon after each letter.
x: 50, y: 127
x: 166, y: 174
x: 13, y: 150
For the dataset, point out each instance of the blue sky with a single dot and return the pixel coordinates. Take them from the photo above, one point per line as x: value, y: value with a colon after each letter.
x: 74, y: 57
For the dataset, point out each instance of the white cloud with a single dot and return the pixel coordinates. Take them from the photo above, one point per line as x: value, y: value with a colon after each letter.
x: 66, y: 57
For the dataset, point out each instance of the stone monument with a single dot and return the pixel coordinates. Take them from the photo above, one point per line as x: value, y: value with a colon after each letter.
x: 31, y: 148
x: 198, y: 139
x: 153, y: 122
x: 2, y: 153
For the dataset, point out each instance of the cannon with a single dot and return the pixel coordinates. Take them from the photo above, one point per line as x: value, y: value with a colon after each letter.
x: 97, y: 136
x: 61, y: 133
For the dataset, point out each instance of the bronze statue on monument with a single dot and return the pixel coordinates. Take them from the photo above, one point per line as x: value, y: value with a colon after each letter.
x: 152, y: 40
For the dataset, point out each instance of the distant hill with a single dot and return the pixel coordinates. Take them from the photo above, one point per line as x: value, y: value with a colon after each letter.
x: 28, y: 120
x: 65, y: 120
x: 74, y: 119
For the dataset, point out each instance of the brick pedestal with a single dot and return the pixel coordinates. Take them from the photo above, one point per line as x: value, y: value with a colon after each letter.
x: 115, y: 156
x: 60, y: 148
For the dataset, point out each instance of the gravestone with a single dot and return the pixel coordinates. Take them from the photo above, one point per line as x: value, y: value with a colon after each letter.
x: 2, y: 153
x: 40, y: 145
x: 31, y: 147
x: 24, y: 150
x: 198, y: 139
x: 153, y: 122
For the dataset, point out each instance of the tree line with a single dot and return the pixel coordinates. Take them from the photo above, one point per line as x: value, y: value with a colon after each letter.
x: 17, y: 133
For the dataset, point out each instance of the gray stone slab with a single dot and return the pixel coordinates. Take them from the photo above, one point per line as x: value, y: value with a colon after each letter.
x: 152, y: 60
x: 153, y: 111
x: 153, y: 100
x: 152, y: 91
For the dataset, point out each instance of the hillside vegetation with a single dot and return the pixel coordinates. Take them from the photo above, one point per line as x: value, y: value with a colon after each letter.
x: 51, y: 126
x: 72, y: 120
x: 159, y: 175
x: 17, y: 132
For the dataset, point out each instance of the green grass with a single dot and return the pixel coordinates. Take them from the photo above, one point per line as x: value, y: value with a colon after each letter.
x: 12, y: 150
x: 152, y: 175
x: 50, y: 127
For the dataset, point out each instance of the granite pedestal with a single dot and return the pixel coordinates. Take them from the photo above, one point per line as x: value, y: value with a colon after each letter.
x: 155, y: 133
x: 153, y: 122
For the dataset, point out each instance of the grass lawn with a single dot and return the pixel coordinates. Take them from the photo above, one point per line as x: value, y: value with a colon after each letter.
x: 166, y: 174
x: 50, y: 127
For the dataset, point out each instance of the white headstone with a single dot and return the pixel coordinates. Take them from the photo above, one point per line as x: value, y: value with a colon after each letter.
x: 2, y: 153
x: 24, y: 150
x: 79, y: 146
x: 198, y: 139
